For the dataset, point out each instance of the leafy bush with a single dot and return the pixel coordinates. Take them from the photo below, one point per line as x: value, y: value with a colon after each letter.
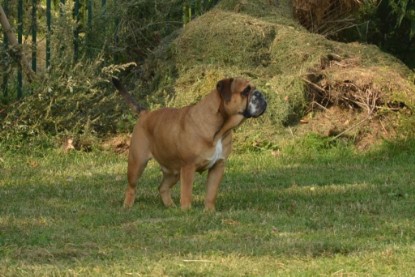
x: 390, y: 24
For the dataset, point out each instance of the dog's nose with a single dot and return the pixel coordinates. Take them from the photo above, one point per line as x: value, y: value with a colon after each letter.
x: 259, y: 102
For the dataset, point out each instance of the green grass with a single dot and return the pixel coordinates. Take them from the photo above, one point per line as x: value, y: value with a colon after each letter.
x: 304, y: 213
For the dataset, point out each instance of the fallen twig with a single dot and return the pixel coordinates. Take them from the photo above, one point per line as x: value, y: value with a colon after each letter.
x: 350, y: 128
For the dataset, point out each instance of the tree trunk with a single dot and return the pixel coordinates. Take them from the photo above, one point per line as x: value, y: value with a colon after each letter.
x: 14, y: 44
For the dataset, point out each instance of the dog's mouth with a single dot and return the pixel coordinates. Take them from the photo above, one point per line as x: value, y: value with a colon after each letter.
x: 256, y: 105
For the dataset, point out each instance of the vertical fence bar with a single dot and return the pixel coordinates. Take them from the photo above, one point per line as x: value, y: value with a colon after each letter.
x: 117, y: 25
x: 76, y: 32
x: 184, y: 15
x: 104, y: 7
x: 190, y: 13
x: 34, y: 35
x: 116, y: 38
x: 20, y: 40
x: 4, y: 85
x: 89, y: 14
x: 62, y: 10
x: 89, y: 29
x: 48, y: 31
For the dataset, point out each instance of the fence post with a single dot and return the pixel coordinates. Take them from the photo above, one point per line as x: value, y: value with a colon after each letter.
x: 48, y: 32
x: 34, y: 35
x: 89, y: 30
x: 117, y: 25
x: 76, y: 32
x: 62, y: 11
x: 19, y: 40
x: 104, y: 7
x: 4, y: 85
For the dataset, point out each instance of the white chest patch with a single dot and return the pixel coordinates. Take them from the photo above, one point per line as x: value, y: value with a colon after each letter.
x: 217, y: 155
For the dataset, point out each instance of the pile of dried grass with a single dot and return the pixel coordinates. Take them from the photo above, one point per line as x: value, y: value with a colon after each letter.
x: 252, y: 39
x: 345, y: 83
x: 350, y: 100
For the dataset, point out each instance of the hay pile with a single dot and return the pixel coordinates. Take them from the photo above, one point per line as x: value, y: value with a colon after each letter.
x: 346, y: 84
x: 295, y: 68
x: 354, y: 101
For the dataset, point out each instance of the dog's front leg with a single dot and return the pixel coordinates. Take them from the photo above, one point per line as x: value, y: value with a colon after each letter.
x: 187, y: 174
x: 169, y: 180
x: 214, y: 178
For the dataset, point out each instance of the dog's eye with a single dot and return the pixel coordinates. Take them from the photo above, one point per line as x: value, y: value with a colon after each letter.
x: 246, y: 91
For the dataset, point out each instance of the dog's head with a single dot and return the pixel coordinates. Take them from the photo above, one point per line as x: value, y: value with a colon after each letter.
x: 239, y: 96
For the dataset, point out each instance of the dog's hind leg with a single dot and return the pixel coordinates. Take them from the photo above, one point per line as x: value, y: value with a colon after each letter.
x: 135, y: 170
x: 138, y: 157
x: 169, y: 180
x: 187, y: 174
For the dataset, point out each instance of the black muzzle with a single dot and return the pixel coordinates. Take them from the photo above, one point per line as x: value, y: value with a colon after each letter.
x: 256, y: 105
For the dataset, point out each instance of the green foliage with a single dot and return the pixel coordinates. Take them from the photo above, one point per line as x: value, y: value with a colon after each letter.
x: 391, y: 25
x: 404, y: 9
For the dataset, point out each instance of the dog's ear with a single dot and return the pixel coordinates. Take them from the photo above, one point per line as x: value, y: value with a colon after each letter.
x: 224, y: 89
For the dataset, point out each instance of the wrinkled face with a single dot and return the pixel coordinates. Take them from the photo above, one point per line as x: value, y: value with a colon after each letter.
x: 241, y: 97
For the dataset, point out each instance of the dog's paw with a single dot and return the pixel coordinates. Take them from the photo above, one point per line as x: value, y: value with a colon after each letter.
x: 185, y: 207
x: 209, y: 209
x: 129, y: 198
x: 170, y: 205
x: 127, y: 206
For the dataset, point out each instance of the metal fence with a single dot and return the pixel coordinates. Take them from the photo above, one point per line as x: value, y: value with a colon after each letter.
x: 34, y: 21
x: 26, y: 19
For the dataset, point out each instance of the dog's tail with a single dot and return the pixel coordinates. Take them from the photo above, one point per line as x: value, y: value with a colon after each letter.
x: 136, y: 107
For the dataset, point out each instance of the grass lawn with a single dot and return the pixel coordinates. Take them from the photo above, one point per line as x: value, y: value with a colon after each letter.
x: 325, y: 212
